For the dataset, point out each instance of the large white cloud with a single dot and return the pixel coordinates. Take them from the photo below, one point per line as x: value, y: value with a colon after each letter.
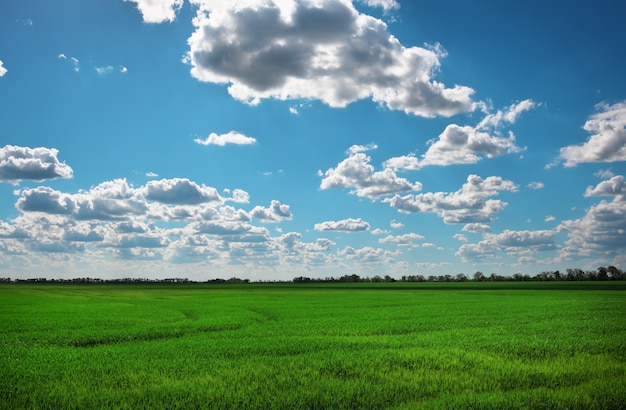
x: 36, y: 164
x: 324, y: 50
x: 608, y: 140
x: 467, y: 205
x: 356, y: 173
x: 158, y: 11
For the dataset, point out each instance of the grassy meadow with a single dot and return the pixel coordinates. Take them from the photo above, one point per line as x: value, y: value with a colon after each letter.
x: 314, y: 346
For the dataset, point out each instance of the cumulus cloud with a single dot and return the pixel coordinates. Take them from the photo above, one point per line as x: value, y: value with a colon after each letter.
x: 476, y: 227
x: 466, y: 144
x: 367, y: 254
x: 3, y: 69
x: 323, y: 50
x: 357, y: 173
x: 385, y: 4
x: 407, y: 239
x: 467, y: 205
x: 612, y: 187
x: 231, y: 137
x: 36, y: 164
x: 275, y: 213
x: 608, y: 140
x: 158, y: 11
x: 514, y: 243
x: 602, y: 230
x: 345, y: 225
x: 180, y: 191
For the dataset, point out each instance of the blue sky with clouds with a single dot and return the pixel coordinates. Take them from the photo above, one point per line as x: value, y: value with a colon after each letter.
x: 281, y: 138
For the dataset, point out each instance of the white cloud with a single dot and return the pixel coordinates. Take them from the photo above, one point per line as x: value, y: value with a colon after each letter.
x: 513, y: 243
x: 36, y: 164
x: 231, y: 137
x: 151, y: 174
x: 467, y: 205
x: 550, y: 218
x: 385, y: 4
x: 612, y: 187
x: 608, y: 140
x: 466, y: 144
x: 158, y: 11
x: 326, y: 51
x: 73, y: 59
x: 345, y: 225
x: 357, y: 173
x: 407, y: 239
x: 180, y: 191
x: 602, y: 230
x: 367, y: 254
x: 476, y: 227
x: 396, y: 225
x: 535, y: 185
x: 276, y: 212
x: 3, y: 69
x: 104, y: 70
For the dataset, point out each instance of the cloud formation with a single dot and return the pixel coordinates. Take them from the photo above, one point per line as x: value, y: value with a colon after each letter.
x: 602, y: 230
x: 385, y: 4
x: 35, y: 164
x: 608, y: 140
x: 3, y: 69
x: 323, y: 50
x: 466, y: 144
x: 231, y: 137
x: 345, y: 225
x: 158, y: 11
x: 467, y: 205
x: 356, y: 173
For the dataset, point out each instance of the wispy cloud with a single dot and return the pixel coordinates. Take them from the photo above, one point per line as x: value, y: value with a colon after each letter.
x: 231, y: 137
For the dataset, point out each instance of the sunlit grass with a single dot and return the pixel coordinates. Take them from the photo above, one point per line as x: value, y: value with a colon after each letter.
x: 323, y: 346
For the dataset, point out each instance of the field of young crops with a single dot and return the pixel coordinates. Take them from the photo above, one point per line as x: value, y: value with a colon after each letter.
x: 314, y: 346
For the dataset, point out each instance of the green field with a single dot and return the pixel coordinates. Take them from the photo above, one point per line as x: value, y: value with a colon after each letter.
x: 314, y: 346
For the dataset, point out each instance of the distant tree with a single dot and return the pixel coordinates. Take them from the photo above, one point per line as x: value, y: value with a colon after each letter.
x: 602, y: 273
x: 461, y: 277
x: 478, y: 276
x: 616, y: 274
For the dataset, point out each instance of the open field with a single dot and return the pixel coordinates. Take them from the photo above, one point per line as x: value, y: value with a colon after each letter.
x: 318, y: 346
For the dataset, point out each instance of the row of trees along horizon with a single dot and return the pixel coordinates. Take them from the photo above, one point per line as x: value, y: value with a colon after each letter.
x: 600, y: 274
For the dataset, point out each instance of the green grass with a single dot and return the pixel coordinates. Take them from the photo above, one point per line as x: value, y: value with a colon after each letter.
x: 317, y: 346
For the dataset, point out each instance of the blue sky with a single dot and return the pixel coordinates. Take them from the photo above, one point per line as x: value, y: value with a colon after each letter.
x: 275, y: 139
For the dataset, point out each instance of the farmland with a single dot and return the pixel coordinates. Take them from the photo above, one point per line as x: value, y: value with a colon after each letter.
x: 363, y: 345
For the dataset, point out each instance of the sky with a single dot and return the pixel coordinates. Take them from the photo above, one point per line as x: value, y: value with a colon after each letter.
x: 271, y: 139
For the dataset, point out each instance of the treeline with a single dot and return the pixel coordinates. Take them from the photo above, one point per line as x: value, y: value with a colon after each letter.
x: 600, y: 274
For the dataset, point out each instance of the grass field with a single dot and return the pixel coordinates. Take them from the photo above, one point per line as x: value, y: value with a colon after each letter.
x: 314, y: 346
